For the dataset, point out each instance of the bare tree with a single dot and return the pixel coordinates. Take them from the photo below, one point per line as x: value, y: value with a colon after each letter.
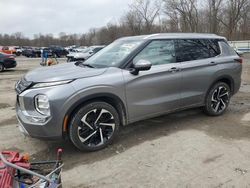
x: 147, y: 11
x: 186, y: 11
x: 214, y: 11
x: 234, y: 11
x: 132, y: 23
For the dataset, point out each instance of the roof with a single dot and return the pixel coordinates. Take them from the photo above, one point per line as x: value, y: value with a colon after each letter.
x: 175, y: 36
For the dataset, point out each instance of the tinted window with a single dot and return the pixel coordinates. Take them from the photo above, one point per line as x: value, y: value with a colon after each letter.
x: 158, y: 52
x: 213, y: 47
x: 194, y: 49
x: 226, y: 49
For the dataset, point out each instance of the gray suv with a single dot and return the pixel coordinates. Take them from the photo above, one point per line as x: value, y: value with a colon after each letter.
x: 132, y: 79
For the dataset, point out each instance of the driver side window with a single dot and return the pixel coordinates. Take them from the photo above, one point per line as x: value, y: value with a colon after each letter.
x: 158, y: 52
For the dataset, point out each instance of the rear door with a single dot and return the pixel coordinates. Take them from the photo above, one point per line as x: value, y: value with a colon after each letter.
x: 198, y: 64
x: 157, y: 90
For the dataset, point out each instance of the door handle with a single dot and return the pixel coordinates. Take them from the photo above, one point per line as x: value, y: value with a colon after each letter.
x: 174, y: 69
x: 213, y: 63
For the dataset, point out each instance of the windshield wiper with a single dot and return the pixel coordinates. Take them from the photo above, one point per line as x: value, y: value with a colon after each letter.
x: 88, y: 65
x: 81, y: 64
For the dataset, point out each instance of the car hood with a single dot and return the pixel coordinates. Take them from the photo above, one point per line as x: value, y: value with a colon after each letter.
x: 61, y: 72
x: 81, y: 55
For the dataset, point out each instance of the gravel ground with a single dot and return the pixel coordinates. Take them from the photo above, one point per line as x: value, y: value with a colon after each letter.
x: 184, y: 149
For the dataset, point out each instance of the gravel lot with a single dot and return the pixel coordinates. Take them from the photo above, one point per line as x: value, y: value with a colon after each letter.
x: 184, y: 149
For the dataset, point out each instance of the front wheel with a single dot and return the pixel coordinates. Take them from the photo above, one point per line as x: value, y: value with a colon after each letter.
x: 217, y: 99
x: 94, y: 126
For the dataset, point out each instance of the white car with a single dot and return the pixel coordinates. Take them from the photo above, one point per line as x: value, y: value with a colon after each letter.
x: 83, y: 55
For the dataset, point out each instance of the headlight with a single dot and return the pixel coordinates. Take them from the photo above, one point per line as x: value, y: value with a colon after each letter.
x: 48, y: 84
x: 42, y: 104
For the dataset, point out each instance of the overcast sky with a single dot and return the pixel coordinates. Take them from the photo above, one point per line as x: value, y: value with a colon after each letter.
x: 54, y: 16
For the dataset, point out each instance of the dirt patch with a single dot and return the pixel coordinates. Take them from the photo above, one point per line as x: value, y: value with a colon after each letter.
x: 212, y: 159
x: 4, y: 105
x: 10, y: 121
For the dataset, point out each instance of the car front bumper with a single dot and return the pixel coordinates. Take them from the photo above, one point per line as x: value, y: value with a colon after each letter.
x: 36, y: 127
x: 33, y: 123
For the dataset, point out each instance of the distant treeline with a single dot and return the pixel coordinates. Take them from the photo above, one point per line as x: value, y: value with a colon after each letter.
x: 230, y: 18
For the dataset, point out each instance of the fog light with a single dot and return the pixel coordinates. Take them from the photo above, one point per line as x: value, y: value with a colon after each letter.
x: 42, y: 104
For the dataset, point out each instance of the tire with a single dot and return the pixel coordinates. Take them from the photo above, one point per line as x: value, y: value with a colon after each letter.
x: 94, y: 126
x: 217, y: 99
x: 1, y: 67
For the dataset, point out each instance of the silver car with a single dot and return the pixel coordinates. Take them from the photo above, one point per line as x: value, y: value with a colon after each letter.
x: 132, y: 79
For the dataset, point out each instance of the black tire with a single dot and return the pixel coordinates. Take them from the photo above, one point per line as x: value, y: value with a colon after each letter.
x: 1, y: 67
x: 217, y: 99
x: 18, y: 53
x: 94, y: 126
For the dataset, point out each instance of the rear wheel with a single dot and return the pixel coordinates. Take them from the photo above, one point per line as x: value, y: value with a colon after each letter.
x: 217, y: 99
x: 1, y: 67
x: 94, y: 126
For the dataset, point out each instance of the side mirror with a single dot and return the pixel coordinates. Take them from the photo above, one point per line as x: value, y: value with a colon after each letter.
x: 141, y: 65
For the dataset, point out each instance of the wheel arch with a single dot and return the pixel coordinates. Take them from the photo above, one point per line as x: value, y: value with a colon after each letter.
x: 109, y: 98
x: 224, y: 78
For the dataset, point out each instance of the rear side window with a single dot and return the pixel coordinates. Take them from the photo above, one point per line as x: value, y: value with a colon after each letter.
x: 226, y: 49
x: 195, y: 49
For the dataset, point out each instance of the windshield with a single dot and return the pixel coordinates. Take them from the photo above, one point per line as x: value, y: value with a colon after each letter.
x: 113, y: 54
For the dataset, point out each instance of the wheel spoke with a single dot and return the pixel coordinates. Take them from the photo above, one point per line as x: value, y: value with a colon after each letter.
x: 213, y: 99
x: 101, y: 136
x: 223, y: 103
x: 88, y: 137
x: 85, y: 122
x: 217, y: 106
x: 100, y: 114
x: 224, y: 94
x: 109, y: 124
x: 218, y: 93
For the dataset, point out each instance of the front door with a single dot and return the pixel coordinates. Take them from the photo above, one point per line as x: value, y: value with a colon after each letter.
x: 156, y: 91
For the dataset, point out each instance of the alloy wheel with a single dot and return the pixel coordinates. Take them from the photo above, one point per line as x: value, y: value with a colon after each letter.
x: 96, y: 128
x: 220, y: 99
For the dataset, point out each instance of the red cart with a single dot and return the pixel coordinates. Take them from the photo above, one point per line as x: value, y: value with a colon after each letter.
x: 17, y: 172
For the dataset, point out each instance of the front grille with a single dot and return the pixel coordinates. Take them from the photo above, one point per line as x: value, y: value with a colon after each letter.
x: 22, y: 85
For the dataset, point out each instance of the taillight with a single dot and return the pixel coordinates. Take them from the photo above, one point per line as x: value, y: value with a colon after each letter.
x: 239, y: 60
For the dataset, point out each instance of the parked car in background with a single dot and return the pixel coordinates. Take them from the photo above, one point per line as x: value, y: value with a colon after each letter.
x: 19, y: 51
x: 132, y: 79
x: 58, y: 51
x: 70, y: 48
x: 8, y: 50
x: 7, y: 61
x: 85, y: 54
x: 31, y: 52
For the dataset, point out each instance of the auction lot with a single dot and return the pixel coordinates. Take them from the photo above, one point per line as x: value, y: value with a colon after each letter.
x: 184, y: 149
